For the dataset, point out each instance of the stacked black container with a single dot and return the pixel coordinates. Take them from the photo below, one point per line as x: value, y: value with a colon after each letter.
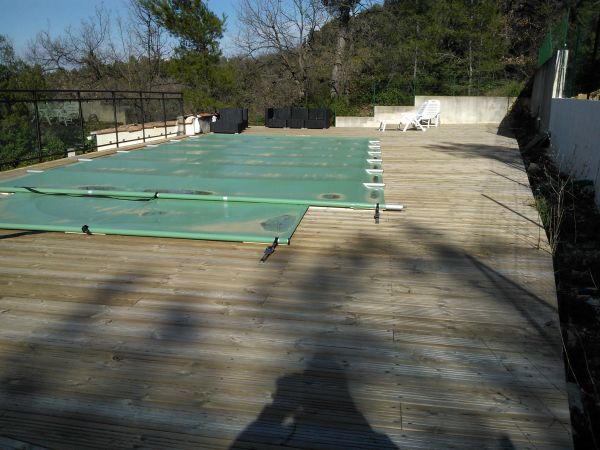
x: 297, y: 117
x: 230, y: 120
x: 318, y: 118
x: 277, y: 117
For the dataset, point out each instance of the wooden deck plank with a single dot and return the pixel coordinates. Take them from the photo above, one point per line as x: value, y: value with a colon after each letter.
x: 436, y: 328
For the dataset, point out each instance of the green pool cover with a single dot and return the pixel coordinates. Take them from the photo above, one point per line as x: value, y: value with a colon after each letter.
x: 219, y: 187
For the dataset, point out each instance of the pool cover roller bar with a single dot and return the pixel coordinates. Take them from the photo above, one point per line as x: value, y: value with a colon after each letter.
x: 174, y: 196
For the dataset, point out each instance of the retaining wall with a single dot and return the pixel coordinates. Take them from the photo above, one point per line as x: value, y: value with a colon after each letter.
x: 470, y: 110
x: 455, y: 110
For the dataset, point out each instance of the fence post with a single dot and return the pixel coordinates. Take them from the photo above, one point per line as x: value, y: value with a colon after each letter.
x: 182, y: 113
x: 81, y: 121
x: 143, y: 117
x: 115, y: 117
x: 37, y: 125
x: 164, y: 114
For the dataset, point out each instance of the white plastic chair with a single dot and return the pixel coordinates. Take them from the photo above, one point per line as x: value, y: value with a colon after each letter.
x: 404, y: 117
x: 427, y: 115
x: 68, y: 112
x: 45, y: 112
x: 430, y: 113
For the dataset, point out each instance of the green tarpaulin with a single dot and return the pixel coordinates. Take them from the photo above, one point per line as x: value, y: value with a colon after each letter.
x: 223, y: 187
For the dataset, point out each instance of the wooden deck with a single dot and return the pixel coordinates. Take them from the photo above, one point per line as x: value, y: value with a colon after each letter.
x: 436, y: 328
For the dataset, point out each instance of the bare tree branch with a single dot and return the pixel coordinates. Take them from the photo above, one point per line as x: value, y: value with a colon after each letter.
x: 281, y: 28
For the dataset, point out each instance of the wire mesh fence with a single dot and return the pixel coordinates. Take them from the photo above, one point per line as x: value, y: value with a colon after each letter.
x: 577, y: 30
x: 583, y: 73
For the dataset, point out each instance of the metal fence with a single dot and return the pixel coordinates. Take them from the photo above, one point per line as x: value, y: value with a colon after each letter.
x: 583, y: 73
x: 41, y: 125
x: 578, y: 31
x: 556, y: 39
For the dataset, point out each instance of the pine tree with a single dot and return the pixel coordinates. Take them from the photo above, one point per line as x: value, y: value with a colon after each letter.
x: 198, y: 31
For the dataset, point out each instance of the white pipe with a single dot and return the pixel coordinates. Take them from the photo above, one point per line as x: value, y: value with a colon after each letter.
x: 389, y: 207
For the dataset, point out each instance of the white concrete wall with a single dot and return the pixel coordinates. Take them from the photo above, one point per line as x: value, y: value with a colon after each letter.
x: 103, y: 112
x: 455, y: 110
x: 470, y: 110
x: 382, y: 111
x: 575, y: 139
x: 108, y: 140
x: 356, y: 122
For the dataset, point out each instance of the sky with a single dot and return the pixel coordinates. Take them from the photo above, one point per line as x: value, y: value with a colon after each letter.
x: 21, y: 20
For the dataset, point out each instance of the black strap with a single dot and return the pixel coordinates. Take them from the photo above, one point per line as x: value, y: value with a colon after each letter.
x: 270, y: 250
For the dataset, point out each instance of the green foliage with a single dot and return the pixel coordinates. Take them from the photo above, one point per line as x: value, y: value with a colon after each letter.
x: 17, y: 135
x: 14, y: 73
x: 53, y: 144
x: 197, y: 63
x: 208, y: 85
x: 197, y: 28
x: 17, y: 140
x: 391, y: 51
x: 507, y: 88
x: 340, y: 107
x: 583, y: 75
x: 393, y: 96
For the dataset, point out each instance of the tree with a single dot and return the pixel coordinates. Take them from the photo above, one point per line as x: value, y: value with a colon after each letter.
x: 87, y: 49
x: 17, y: 136
x: 198, y: 31
x: 144, y: 49
x: 342, y: 10
x: 283, y: 29
x: 197, y: 28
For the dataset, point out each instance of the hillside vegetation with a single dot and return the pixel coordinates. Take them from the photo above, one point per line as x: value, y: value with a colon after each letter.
x: 344, y: 54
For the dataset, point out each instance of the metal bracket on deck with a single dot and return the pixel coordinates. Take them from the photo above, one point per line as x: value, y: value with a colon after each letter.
x: 376, y: 216
x: 269, y: 250
x: 85, y: 229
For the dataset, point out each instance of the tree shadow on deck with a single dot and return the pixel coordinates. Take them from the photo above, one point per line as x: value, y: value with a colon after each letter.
x: 353, y: 382
x: 520, y: 325
x: 509, y: 156
x: 360, y: 379
x: 87, y: 365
